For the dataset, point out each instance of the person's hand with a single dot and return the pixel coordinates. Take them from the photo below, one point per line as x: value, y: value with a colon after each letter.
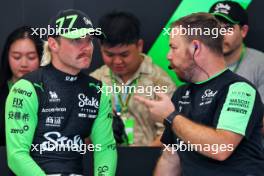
x: 159, y: 109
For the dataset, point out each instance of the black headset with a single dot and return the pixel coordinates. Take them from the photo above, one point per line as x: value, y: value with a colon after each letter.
x: 195, y: 47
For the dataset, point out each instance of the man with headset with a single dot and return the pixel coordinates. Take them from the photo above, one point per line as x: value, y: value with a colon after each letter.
x: 213, y: 123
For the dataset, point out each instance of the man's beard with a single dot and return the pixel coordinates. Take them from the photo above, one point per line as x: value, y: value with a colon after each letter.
x: 187, y: 74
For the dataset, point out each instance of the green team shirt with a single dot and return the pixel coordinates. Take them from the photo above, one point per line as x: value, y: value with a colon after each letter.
x: 57, y: 110
x: 228, y: 102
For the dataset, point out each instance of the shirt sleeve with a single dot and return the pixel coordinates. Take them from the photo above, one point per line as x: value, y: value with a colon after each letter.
x: 102, y: 133
x: 21, y: 121
x: 237, y: 108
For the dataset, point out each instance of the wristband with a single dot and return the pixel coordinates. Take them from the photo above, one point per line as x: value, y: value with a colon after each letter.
x: 168, y: 120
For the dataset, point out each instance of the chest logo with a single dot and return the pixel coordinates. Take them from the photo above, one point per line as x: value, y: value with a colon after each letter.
x: 85, y: 101
x: 208, y: 96
x: 208, y: 93
x: 187, y: 95
x: 53, y: 97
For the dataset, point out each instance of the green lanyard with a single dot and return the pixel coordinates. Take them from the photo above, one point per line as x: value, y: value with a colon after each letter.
x: 241, y: 58
x: 124, y: 104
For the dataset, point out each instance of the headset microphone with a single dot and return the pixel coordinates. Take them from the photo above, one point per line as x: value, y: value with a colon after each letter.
x: 170, y: 67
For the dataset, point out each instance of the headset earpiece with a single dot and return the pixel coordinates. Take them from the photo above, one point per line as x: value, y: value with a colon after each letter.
x: 195, y: 46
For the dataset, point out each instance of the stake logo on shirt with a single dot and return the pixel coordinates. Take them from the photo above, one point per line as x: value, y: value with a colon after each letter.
x: 85, y: 101
x: 55, y: 139
x: 208, y: 96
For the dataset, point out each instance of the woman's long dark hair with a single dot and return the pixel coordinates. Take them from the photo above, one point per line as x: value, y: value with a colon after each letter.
x: 24, y: 32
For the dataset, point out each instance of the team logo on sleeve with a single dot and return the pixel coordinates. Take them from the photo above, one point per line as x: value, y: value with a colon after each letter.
x: 241, y: 94
x: 240, y: 102
x: 18, y: 116
x: 20, y: 131
x: 17, y: 102
x: 102, y: 170
x: 22, y: 92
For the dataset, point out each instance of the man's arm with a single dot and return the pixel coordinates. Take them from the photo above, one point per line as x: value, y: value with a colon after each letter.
x: 167, y: 86
x: 194, y: 133
x: 21, y: 121
x: 231, y: 127
x: 168, y: 165
x: 105, y: 158
x: 191, y: 132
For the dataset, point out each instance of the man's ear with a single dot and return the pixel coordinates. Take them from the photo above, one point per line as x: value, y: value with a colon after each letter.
x: 53, y: 44
x: 195, y: 45
x: 244, y: 30
x: 140, y: 44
